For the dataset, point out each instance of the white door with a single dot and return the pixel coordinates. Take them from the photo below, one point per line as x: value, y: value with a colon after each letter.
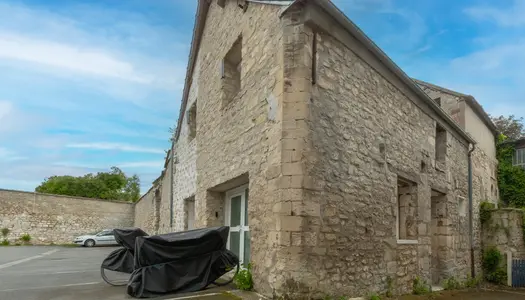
x: 237, y: 219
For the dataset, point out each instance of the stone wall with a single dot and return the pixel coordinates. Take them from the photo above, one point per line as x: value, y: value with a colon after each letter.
x: 58, y: 219
x: 165, y: 223
x: 238, y: 140
x: 146, y: 211
x: 504, y: 230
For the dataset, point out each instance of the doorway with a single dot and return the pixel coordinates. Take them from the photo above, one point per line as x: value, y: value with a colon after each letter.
x: 237, y: 218
x: 439, y: 233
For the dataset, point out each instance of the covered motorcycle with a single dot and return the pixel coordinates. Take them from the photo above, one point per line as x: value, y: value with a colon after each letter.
x: 184, y: 261
x: 123, y: 259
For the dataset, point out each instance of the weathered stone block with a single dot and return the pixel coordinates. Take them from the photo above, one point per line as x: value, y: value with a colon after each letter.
x: 289, y: 223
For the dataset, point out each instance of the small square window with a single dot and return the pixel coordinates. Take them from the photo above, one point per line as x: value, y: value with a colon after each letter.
x: 441, y: 143
x: 231, y: 72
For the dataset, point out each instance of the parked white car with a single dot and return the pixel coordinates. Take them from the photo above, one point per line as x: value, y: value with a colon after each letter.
x: 104, y: 237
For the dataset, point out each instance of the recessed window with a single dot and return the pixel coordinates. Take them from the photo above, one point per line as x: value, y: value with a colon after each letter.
x: 192, y: 121
x: 189, y: 208
x: 462, y: 206
x: 519, y: 158
x: 441, y: 143
x: 406, y: 210
x: 231, y: 71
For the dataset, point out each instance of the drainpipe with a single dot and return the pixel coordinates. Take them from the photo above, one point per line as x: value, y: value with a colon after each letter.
x: 172, y: 158
x: 470, y: 215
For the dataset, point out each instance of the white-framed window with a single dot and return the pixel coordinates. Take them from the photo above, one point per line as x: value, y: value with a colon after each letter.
x: 519, y: 158
x: 236, y: 216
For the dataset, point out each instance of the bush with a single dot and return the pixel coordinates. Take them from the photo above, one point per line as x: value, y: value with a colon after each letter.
x: 473, y: 282
x: 492, y: 259
x: 26, y: 238
x: 5, y: 242
x: 451, y: 283
x: 373, y: 296
x: 243, y: 280
x: 420, y: 287
x: 5, y: 232
x: 485, y: 211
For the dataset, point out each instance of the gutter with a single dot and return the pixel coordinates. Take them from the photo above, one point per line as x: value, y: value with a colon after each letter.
x: 470, y: 215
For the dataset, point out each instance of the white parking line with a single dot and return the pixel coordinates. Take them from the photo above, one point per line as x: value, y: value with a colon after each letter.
x: 47, y: 273
x: 50, y: 287
x: 195, y: 296
x: 16, y: 262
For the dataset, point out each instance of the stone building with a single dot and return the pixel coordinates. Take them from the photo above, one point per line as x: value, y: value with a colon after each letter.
x: 336, y: 172
x: 467, y: 112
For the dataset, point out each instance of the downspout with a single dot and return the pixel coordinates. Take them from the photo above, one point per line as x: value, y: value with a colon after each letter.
x: 172, y: 158
x: 470, y: 218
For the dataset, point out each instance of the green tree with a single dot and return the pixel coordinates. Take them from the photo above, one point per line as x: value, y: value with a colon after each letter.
x: 511, y: 179
x: 510, y: 126
x: 112, y: 185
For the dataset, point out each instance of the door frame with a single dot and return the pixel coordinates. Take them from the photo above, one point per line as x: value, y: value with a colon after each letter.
x: 238, y: 191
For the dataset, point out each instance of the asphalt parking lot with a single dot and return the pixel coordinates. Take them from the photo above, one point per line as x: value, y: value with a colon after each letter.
x: 62, y: 273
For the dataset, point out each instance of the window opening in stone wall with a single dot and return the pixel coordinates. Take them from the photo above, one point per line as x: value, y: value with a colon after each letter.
x: 438, y: 101
x: 406, y: 210
x: 462, y: 206
x: 231, y: 72
x: 441, y: 143
x: 192, y: 121
x: 189, y: 212
x: 440, y: 234
x: 519, y: 158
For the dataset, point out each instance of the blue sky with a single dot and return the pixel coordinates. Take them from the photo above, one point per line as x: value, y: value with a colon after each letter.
x: 85, y: 85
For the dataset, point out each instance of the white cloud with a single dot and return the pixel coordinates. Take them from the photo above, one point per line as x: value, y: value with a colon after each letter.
x: 89, y: 61
x: 7, y: 155
x: 115, y: 146
x: 143, y: 164
x: 507, y: 17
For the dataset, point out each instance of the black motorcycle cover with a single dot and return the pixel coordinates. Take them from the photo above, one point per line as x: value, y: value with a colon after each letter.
x: 180, y: 262
x: 122, y: 259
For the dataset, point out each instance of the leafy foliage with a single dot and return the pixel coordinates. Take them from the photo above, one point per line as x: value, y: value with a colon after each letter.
x: 472, y: 282
x: 5, y: 232
x: 451, y: 283
x: 485, y: 211
x: 243, y: 280
x: 420, y: 287
x: 492, y: 269
x: 5, y: 242
x: 511, y: 179
x: 373, y: 296
x: 113, y: 185
x: 510, y: 126
x: 25, y: 237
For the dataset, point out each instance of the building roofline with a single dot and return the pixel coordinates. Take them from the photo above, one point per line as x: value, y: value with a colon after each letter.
x: 478, y: 109
x: 339, y: 16
x: 357, y: 33
x: 198, y: 29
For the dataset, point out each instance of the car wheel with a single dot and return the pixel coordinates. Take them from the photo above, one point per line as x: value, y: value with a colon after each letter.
x: 89, y: 243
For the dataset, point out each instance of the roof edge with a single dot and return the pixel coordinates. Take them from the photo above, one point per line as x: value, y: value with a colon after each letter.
x: 354, y: 30
x: 198, y: 29
x: 478, y: 109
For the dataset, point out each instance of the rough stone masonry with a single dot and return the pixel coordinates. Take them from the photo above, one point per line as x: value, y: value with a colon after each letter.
x: 354, y: 180
x: 58, y: 219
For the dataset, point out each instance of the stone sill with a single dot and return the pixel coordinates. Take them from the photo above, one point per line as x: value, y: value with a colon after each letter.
x: 407, y: 242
